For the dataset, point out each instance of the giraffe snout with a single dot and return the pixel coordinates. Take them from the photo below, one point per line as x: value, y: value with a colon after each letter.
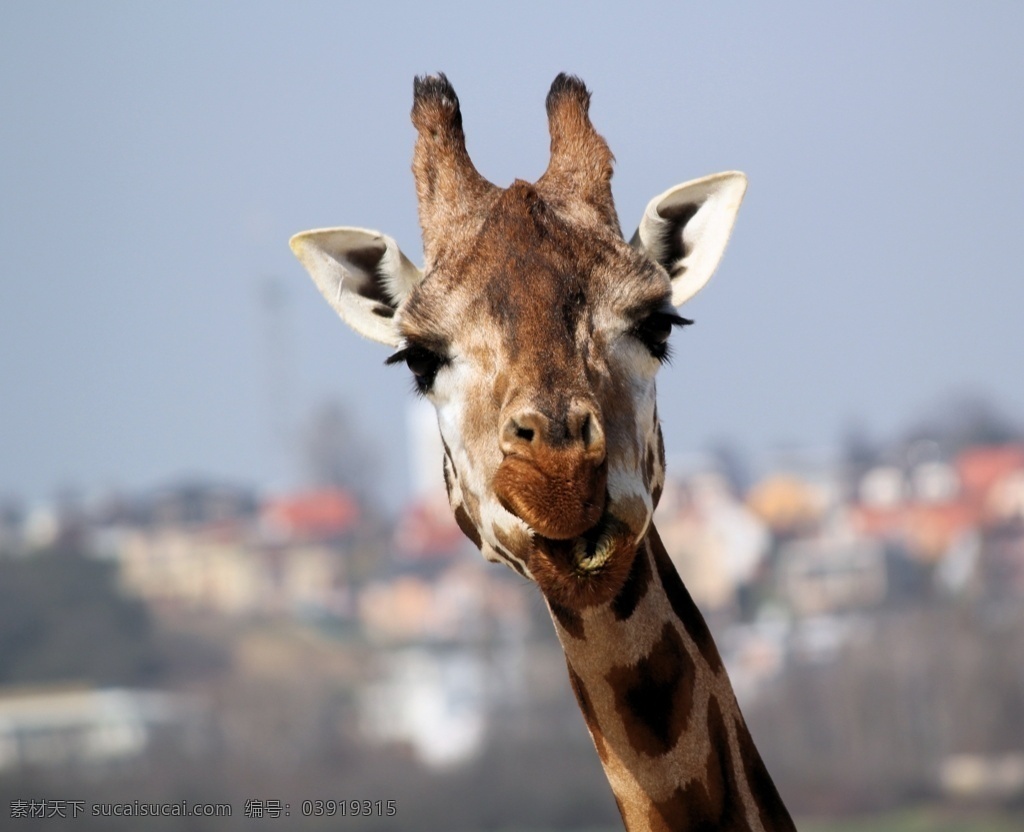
x: 554, y: 474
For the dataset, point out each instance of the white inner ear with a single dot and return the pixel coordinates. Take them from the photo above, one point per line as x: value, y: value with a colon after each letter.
x: 363, y: 275
x: 696, y: 218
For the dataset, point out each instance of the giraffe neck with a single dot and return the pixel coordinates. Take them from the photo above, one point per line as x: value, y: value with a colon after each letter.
x: 661, y: 710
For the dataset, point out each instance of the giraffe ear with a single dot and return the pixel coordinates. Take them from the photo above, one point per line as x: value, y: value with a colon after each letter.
x: 362, y: 274
x: 686, y: 228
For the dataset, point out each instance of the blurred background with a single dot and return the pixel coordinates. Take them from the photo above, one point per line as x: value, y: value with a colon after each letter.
x: 228, y: 575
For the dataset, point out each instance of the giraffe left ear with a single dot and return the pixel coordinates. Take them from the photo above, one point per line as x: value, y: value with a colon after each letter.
x: 362, y: 274
x: 686, y: 228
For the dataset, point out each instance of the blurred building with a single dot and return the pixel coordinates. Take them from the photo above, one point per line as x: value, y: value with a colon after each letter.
x: 426, y: 528
x: 715, y: 542
x: 71, y: 727
x: 434, y: 702
x: 965, y: 517
x: 287, y: 558
x: 830, y: 573
x: 787, y: 504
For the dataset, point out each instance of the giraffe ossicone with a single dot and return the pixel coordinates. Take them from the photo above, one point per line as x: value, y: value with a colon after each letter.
x: 537, y: 330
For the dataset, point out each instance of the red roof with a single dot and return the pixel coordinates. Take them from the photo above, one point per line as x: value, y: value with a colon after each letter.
x: 427, y: 529
x: 927, y: 529
x: 981, y: 468
x: 321, y: 514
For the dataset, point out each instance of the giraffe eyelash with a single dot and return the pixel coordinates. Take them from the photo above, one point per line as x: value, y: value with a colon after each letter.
x: 654, y: 330
x: 423, y: 363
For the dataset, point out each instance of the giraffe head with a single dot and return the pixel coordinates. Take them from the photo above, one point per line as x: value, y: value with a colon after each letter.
x: 536, y: 330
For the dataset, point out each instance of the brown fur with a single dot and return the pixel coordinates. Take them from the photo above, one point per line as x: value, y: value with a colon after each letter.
x: 448, y: 186
x: 562, y: 580
x: 581, y: 163
x: 559, y: 493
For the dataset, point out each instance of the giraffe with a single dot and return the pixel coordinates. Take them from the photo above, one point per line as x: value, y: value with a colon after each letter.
x: 536, y: 330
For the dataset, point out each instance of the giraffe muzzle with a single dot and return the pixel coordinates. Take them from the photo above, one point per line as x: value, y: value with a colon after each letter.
x: 555, y: 470
x: 560, y: 494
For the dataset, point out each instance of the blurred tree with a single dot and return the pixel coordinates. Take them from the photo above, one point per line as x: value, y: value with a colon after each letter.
x: 62, y: 618
x: 335, y: 453
x: 964, y: 419
x: 733, y: 463
x: 859, y: 454
x: 869, y: 727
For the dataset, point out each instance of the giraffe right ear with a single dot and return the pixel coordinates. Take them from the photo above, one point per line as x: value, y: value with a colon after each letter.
x: 362, y: 274
x: 686, y: 228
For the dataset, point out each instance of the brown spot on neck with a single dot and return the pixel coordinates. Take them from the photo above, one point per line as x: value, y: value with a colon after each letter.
x: 569, y: 620
x: 773, y: 812
x: 683, y: 605
x: 654, y: 697
x: 587, y: 708
x: 635, y: 587
x: 713, y: 802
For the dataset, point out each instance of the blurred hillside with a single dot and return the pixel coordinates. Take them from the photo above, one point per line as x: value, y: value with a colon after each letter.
x: 286, y: 654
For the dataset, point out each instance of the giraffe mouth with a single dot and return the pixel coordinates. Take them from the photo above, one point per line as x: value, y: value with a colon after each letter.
x: 589, y: 552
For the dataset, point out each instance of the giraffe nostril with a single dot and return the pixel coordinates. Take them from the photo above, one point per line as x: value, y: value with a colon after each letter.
x: 526, y: 434
x: 529, y: 431
x: 521, y: 432
x: 585, y: 427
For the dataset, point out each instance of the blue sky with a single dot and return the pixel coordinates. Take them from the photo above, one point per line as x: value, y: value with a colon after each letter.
x: 155, y: 159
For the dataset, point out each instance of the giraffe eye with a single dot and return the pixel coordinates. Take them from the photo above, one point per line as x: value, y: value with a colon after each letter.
x: 654, y: 331
x: 422, y: 363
